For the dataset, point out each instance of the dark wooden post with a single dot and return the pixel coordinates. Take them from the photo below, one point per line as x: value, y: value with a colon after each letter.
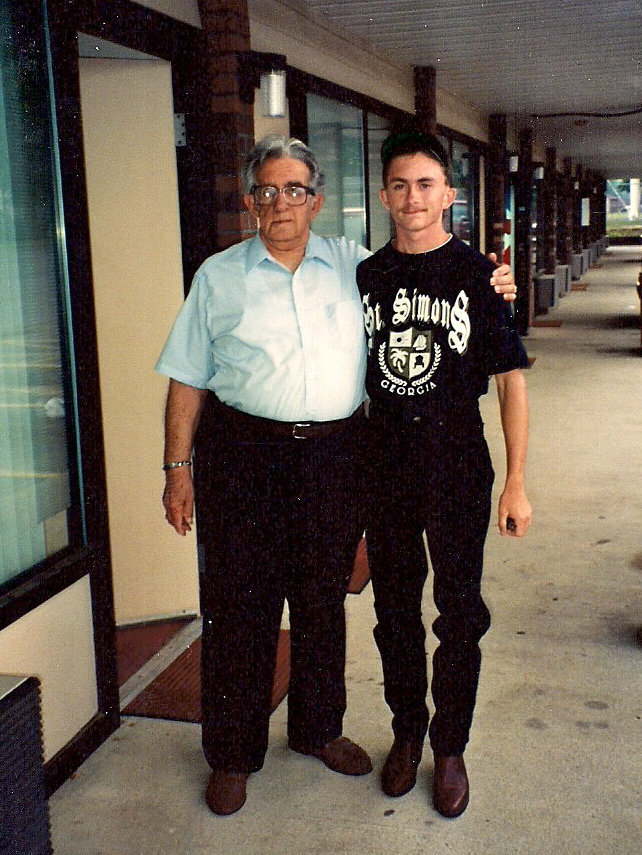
x: 523, y: 233
x: 539, y: 189
x: 495, y: 180
x: 550, y: 211
x: 565, y: 214
x: 426, y: 98
x: 577, y: 209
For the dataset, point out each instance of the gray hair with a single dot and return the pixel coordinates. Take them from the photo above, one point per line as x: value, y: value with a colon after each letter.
x: 275, y: 146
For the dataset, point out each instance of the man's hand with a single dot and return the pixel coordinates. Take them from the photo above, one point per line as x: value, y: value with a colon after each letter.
x: 515, y: 512
x: 178, y: 499
x: 502, y: 280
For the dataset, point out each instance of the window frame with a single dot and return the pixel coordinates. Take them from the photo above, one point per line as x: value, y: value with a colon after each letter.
x: 48, y: 577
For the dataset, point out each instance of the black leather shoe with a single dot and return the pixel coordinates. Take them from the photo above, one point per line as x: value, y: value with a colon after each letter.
x: 450, y: 789
x: 226, y: 792
x: 399, y: 773
x: 340, y: 754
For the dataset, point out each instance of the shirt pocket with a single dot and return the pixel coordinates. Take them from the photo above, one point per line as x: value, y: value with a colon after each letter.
x: 346, y: 321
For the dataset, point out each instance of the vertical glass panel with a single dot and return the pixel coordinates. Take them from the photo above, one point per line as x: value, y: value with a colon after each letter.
x: 34, y: 435
x: 380, y: 223
x: 463, y: 209
x: 335, y: 135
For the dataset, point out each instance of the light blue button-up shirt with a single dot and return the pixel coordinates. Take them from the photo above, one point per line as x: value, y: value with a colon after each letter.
x: 271, y: 343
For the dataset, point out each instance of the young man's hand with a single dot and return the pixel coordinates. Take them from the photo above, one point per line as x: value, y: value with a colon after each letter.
x: 502, y: 279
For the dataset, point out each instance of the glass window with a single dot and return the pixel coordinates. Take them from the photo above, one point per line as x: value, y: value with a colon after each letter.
x: 35, y: 407
x: 335, y: 132
x: 463, y: 209
x: 380, y: 223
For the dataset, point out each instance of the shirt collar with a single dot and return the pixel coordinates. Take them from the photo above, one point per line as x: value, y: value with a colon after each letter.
x: 316, y: 247
x: 319, y: 248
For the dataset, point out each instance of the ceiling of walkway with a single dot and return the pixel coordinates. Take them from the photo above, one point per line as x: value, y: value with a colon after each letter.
x: 579, y: 59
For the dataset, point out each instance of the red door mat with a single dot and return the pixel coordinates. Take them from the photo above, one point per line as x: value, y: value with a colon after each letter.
x: 176, y: 693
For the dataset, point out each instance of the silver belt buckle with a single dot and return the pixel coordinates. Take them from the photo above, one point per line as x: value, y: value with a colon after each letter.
x: 296, y: 425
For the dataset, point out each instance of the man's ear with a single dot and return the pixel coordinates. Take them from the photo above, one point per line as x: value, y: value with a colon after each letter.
x: 449, y: 197
x: 250, y: 204
x: 383, y: 196
x: 317, y: 203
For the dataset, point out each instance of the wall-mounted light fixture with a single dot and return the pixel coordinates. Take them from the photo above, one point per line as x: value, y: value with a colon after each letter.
x: 266, y: 72
x: 272, y: 89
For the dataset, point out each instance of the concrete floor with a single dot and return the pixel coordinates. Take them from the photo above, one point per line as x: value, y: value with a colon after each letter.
x: 554, y: 756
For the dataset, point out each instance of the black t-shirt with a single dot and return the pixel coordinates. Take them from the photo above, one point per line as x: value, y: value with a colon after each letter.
x: 436, y: 329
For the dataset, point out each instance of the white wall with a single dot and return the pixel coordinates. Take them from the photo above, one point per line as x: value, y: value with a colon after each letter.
x: 127, y: 115
x: 54, y: 642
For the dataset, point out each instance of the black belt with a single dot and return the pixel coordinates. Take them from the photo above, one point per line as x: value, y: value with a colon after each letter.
x: 257, y: 427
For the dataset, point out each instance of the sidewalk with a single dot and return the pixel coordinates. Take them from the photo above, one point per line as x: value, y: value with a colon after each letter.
x: 554, y: 757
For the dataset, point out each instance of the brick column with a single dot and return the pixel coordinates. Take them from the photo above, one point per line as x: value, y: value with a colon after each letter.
x: 577, y: 209
x: 524, y: 304
x: 598, y: 206
x: 229, y: 121
x: 495, y: 190
x: 585, y: 193
x: 565, y: 214
x: 539, y: 185
x: 550, y: 211
x: 426, y: 98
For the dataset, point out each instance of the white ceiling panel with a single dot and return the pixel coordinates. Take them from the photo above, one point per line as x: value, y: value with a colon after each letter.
x: 524, y: 58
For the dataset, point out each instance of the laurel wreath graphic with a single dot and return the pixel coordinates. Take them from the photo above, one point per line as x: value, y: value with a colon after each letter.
x: 393, y: 379
x: 435, y: 363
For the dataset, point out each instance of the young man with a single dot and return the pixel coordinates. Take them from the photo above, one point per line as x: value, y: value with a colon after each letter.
x: 435, y: 334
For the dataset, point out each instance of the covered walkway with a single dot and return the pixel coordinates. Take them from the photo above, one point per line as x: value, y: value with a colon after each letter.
x: 554, y: 756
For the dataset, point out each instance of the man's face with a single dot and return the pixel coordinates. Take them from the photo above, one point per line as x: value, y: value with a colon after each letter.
x: 416, y: 193
x: 283, y: 226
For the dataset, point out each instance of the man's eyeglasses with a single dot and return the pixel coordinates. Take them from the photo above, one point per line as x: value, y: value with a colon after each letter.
x: 294, y: 194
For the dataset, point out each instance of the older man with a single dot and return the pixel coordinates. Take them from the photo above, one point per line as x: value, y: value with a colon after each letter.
x: 272, y: 327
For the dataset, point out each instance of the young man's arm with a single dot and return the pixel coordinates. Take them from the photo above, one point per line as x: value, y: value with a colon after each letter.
x: 182, y: 415
x: 513, y: 404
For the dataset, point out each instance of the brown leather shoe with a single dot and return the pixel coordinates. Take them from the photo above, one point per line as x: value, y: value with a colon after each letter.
x: 226, y: 792
x: 341, y: 755
x: 450, y: 789
x: 399, y: 773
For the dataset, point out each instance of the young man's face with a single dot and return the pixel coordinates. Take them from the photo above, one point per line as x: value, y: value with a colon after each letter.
x: 283, y: 226
x: 416, y: 194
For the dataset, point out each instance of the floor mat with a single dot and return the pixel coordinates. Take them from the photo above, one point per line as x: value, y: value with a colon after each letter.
x: 176, y: 693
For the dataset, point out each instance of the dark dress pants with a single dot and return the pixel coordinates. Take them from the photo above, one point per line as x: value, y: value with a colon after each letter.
x: 282, y: 522
x: 418, y: 481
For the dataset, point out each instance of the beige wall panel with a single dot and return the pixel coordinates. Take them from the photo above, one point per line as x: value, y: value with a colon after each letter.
x: 135, y: 245
x: 310, y: 44
x: 462, y: 117
x: 182, y: 10
x: 54, y: 642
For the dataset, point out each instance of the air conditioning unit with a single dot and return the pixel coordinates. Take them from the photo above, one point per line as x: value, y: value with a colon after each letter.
x: 24, y: 812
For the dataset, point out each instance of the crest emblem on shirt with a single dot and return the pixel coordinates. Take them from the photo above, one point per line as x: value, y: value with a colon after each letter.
x: 409, y: 353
